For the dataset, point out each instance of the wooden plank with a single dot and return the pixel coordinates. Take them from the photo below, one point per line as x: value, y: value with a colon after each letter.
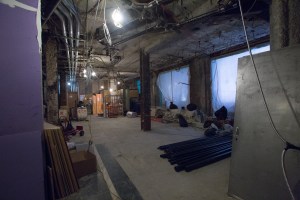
x: 55, y: 165
x: 63, y: 176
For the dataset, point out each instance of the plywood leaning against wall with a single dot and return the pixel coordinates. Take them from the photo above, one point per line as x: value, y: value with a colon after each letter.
x: 98, y: 104
x: 61, y: 175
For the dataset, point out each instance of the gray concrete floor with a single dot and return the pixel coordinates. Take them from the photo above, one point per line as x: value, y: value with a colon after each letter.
x: 155, y: 179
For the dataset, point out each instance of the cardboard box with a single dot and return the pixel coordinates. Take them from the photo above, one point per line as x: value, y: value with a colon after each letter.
x: 84, y: 163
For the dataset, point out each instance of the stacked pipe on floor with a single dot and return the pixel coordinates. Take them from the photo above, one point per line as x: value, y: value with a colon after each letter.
x: 196, y: 153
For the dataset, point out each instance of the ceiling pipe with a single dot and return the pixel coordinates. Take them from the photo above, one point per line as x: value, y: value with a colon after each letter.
x: 77, y: 33
x: 66, y: 13
x: 63, y: 25
x: 181, y: 24
x: 150, y: 4
x: 50, y: 14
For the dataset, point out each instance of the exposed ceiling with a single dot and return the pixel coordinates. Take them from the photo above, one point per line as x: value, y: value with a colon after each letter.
x: 172, y: 31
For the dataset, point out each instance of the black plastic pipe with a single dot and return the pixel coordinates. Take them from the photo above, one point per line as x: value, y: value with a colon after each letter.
x: 189, y: 145
x: 193, y: 150
x: 191, y: 141
x: 207, y: 161
x: 202, y: 151
x: 197, y: 155
x: 203, y: 157
x: 200, y: 148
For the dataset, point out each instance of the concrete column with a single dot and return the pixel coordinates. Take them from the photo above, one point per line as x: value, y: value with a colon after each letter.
x: 63, y: 97
x: 146, y: 91
x: 294, y: 22
x: 52, y: 84
x: 153, y: 89
x: 279, y: 36
x: 284, y: 23
x: 200, y: 84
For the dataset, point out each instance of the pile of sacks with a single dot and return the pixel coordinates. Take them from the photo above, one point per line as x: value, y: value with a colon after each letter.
x: 219, y: 125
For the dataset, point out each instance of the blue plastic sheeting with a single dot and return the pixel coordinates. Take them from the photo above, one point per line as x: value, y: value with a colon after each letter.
x: 174, y: 86
x: 223, y: 75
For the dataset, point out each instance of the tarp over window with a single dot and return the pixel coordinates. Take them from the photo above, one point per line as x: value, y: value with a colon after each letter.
x: 223, y: 75
x: 174, y: 86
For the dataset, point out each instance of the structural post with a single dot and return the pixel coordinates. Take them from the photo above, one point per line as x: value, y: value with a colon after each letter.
x: 63, y: 94
x: 200, y: 84
x: 284, y: 24
x: 52, y: 83
x: 153, y: 89
x: 145, y: 91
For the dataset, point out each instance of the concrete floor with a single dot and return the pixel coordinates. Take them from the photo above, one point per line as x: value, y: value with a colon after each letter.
x: 154, y: 178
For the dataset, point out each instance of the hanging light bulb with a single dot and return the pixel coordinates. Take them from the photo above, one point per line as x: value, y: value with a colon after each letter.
x: 84, y: 71
x: 118, y: 82
x: 110, y: 89
x: 102, y: 87
x: 117, y: 18
x: 69, y: 83
x: 93, y: 73
x: 84, y: 75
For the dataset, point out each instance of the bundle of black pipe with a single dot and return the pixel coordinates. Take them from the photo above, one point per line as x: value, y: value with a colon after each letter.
x: 196, y: 153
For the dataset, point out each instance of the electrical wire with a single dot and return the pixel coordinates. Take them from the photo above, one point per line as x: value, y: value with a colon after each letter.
x: 284, y: 172
x: 251, y: 7
x: 258, y: 78
x: 267, y: 107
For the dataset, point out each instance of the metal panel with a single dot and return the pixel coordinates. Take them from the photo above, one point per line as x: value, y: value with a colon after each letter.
x: 255, y: 171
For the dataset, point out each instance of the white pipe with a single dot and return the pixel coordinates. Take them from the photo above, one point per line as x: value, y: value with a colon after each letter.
x: 70, y: 24
x: 77, y: 35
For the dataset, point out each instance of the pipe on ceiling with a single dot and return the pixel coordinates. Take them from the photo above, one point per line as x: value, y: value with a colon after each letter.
x: 77, y: 33
x: 66, y: 13
x: 63, y: 25
x: 150, y: 4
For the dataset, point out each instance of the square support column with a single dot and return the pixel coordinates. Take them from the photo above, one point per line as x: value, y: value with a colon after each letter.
x: 145, y: 90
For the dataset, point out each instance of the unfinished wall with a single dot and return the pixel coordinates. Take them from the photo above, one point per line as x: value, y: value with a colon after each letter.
x: 255, y: 171
x: 21, y: 121
x: 200, y: 84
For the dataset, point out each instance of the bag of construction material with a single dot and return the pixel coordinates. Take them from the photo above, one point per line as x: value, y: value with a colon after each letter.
x: 182, y: 121
x: 221, y: 114
x: 131, y: 114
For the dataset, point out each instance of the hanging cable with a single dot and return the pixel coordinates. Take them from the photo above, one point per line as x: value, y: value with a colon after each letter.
x: 284, y: 173
x: 258, y: 78
x: 288, y: 144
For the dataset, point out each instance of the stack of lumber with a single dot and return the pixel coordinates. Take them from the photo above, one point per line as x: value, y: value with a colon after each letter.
x: 62, y: 179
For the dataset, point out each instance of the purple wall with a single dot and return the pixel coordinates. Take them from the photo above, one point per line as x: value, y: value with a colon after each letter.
x: 21, y: 121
